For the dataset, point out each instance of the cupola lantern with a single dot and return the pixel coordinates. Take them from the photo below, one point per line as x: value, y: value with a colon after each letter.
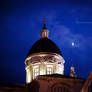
x: 44, y: 32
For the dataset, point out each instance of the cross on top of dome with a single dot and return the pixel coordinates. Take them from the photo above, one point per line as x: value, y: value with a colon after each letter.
x: 44, y: 32
x: 44, y: 23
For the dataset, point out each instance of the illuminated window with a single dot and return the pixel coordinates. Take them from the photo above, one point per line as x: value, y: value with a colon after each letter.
x: 36, y: 72
x: 49, y: 70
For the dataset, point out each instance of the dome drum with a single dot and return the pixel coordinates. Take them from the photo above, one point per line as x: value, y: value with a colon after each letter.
x: 42, y: 64
x: 47, y: 57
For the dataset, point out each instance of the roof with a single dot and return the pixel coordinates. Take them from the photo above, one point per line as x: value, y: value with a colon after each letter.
x: 61, y: 76
x: 44, y: 45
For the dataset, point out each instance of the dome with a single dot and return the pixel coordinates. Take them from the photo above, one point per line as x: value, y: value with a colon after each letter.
x: 44, y: 45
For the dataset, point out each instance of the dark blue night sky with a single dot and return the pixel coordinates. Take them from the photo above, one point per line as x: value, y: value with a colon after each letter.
x: 20, y: 24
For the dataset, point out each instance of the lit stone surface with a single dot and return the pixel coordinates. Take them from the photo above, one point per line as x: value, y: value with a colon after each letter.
x: 43, y: 64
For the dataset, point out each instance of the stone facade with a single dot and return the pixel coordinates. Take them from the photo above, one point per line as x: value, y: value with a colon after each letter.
x: 52, y: 83
x: 42, y: 64
x: 59, y: 83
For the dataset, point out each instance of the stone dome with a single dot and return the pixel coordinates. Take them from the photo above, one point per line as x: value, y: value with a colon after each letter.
x: 44, y: 45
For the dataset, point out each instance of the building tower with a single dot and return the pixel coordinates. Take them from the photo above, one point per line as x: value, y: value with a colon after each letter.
x: 44, y: 57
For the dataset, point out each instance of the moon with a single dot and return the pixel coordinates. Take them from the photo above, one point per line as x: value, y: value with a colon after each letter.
x: 72, y: 43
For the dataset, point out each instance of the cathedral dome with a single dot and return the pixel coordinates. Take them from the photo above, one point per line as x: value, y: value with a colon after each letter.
x: 44, y: 45
x: 44, y: 57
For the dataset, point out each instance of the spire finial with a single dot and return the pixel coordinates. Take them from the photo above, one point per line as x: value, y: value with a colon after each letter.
x: 44, y: 23
x: 44, y: 32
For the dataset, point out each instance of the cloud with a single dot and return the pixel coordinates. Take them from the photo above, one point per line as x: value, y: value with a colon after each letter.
x: 65, y: 36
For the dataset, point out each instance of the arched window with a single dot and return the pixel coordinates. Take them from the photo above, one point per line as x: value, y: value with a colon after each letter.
x: 61, y: 87
x: 36, y: 72
x: 49, y: 70
x: 90, y: 88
